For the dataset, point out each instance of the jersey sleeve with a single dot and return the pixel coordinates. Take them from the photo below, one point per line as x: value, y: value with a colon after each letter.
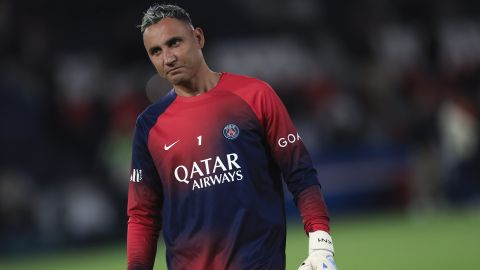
x: 292, y: 157
x: 144, y: 204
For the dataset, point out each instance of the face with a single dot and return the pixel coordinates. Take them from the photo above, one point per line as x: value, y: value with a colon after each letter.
x: 175, y: 49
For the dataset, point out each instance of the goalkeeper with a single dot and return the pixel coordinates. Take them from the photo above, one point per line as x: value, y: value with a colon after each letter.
x: 208, y: 161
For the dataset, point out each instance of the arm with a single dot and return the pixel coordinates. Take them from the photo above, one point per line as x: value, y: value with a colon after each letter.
x: 144, y: 205
x: 320, y: 245
x: 313, y: 210
x: 292, y: 157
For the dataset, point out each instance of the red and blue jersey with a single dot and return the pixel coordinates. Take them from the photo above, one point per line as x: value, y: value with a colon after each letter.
x: 207, y: 171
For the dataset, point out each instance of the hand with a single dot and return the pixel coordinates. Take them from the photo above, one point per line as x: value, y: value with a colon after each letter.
x: 319, y: 260
x: 320, y: 250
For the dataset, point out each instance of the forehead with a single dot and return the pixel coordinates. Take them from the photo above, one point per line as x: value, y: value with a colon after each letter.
x: 165, y: 29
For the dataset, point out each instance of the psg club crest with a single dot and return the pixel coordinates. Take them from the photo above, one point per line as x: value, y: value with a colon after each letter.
x: 231, y: 131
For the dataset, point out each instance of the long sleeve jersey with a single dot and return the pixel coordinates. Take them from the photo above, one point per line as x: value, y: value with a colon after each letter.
x: 207, y: 171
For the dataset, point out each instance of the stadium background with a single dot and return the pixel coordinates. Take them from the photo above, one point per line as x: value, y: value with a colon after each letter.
x: 386, y: 96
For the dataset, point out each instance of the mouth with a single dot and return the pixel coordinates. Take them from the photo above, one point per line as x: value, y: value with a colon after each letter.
x: 173, y: 70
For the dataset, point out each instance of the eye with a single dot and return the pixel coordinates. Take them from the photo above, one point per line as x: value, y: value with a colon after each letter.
x: 175, y: 42
x: 155, y: 51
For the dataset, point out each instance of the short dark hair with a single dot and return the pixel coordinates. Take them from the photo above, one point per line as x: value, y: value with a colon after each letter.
x: 157, y: 12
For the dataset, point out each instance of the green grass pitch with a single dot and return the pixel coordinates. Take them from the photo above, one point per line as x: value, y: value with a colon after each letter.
x: 441, y: 242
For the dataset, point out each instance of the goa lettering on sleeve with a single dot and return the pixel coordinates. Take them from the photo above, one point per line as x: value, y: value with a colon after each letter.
x: 289, y: 139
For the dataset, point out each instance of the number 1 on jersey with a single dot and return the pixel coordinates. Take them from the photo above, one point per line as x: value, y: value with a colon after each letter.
x: 199, y: 138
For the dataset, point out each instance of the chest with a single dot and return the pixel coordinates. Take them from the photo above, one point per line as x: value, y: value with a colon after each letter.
x: 201, y: 139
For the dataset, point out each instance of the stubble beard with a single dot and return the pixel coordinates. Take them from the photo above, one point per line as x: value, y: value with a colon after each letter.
x: 178, y: 79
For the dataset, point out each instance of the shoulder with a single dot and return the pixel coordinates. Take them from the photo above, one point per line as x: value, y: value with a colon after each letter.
x: 258, y: 94
x: 246, y: 84
x: 150, y: 115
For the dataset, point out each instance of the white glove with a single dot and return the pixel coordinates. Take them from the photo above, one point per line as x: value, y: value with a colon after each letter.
x: 320, y: 252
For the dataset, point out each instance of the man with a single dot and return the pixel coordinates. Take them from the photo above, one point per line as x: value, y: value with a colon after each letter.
x: 207, y: 164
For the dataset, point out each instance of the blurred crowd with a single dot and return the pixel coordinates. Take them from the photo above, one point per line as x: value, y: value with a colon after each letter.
x: 386, y: 95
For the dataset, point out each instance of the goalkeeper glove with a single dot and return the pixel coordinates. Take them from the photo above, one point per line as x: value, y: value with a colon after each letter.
x: 320, y: 252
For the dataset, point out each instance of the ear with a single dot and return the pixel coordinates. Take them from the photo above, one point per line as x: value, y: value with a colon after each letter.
x: 199, y: 37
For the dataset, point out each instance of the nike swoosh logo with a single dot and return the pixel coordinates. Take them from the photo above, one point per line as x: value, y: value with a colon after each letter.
x: 167, y: 147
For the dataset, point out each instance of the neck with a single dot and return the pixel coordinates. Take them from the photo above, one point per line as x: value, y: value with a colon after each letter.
x: 204, y: 80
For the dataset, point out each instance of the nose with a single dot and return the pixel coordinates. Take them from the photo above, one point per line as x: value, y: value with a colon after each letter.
x: 169, y: 57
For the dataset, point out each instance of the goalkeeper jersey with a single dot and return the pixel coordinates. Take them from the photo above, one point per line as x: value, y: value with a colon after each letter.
x: 207, y: 171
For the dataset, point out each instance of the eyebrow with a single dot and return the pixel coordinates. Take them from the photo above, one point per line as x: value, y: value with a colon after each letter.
x: 169, y: 42
x: 172, y: 40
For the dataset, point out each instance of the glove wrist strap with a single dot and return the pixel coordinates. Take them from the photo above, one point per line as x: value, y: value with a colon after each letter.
x: 320, y: 240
